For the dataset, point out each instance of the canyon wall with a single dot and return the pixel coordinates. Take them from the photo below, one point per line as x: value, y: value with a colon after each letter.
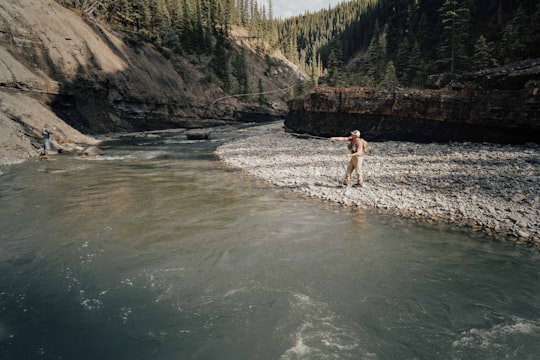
x: 100, y: 80
x: 494, y: 106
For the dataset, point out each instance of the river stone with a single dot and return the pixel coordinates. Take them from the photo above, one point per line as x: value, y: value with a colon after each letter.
x: 92, y: 151
x: 491, y: 210
x: 518, y: 219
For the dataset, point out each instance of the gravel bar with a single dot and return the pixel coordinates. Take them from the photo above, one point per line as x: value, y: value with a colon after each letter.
x: 486, y: 187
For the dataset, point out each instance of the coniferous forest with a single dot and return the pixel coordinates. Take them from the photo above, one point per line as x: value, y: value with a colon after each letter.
x: 357, y: 43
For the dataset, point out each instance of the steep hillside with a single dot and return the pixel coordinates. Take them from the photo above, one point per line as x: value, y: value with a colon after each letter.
x: 391, y: 41
x: 65, y: 69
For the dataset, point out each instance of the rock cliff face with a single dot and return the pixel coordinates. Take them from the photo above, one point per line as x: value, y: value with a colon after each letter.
x: 99, y: 80
x: 502, y: 115
x: 85, y: 73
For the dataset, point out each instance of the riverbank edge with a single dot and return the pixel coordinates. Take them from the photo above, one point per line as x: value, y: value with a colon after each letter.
x: 480, y: 187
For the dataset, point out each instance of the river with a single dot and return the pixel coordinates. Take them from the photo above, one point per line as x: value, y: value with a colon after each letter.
x: 157, y: 250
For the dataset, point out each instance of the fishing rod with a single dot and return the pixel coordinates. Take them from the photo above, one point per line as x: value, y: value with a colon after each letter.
x: 211, y: 105
x: 251, y: 94
x: 307, y: 136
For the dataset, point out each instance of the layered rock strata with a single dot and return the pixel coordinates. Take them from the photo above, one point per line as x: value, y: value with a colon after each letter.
x: 99, y: 80
x: 495, y: 106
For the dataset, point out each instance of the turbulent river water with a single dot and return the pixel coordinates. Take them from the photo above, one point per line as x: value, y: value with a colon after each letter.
x: 157, y: 250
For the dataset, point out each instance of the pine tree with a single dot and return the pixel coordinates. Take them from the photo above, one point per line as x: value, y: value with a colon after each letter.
x: 141, y: 14
x: 227, y: 15
x: 160, y: 18
x: 511, y: 45
x: 121, y: 11
x: 375, y: 61
x: 187, y: 29
x: 220, y: 61
x: 390, y: 79
x: 481, y: 56
x: 201, y: 37
x: 270, y: 11
x: 243, y: 10
x: 313, y: 71
x: 514, y: 39
x: 240, y: 72
x: 402, y: 62
x: 520, y: 21
x: 455, y: 19
x: 336, y: 67
x: 377, y: 52
x: 413, y: 71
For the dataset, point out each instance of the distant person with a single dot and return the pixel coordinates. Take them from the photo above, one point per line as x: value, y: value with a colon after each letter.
x: 358, y: 148
x: 46, y: 140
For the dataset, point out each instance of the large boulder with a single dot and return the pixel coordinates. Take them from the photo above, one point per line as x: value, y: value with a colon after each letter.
x: 198, y: 134
x: 92, y: 151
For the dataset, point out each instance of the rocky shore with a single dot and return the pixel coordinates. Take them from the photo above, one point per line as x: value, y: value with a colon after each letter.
x: 484, y: 187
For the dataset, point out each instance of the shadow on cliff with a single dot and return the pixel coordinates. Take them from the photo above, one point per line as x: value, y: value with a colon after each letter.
x: 84, y: 104
x: 123, y: 84
x: 81, y: 99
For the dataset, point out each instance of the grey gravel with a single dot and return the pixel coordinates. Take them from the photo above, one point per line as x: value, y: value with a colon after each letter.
x: 485, y: 187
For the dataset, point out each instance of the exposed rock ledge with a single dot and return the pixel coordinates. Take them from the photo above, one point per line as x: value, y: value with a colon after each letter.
x: 470, y: 111
x: 486, y: 187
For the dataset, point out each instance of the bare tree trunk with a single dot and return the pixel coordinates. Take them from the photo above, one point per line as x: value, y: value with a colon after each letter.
x: 89, y: 6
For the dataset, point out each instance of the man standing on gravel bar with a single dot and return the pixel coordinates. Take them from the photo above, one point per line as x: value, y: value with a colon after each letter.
x: 358, y: 148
